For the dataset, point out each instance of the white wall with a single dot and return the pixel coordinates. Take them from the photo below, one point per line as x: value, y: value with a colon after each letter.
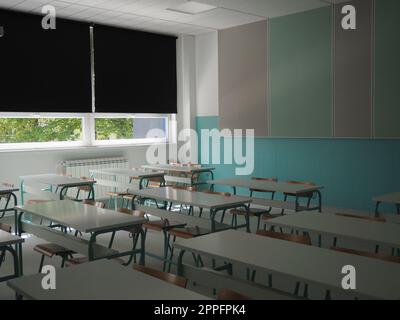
x: 207, y: 88
x: 186, y: 117
x: 18, y: 163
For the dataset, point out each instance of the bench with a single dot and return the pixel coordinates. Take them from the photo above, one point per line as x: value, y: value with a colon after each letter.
x: 189, y: 220
x: 391, y: 218
x: 216, y: 280
x: 68, y: 241
x: 277, y: 204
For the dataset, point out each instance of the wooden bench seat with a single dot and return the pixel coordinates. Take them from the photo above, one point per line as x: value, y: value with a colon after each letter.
x: 65, y: 240
x: 277, y: 204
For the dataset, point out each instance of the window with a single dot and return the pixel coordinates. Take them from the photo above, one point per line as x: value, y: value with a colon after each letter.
x: 27, y: 131
x: 123, y: 129
x: 20, y: 131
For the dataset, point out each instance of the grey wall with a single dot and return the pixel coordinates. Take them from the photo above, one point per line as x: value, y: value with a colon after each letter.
x: 207, y: 74
x: 243, y: 78
x: 353, y: 73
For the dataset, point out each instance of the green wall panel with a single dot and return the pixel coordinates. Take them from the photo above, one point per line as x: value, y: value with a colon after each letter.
x: 387, y: 69
x: 301, y: 74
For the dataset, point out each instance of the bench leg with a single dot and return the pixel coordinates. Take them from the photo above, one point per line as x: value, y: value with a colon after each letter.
x: 377, y: 208
x: 284, y: 199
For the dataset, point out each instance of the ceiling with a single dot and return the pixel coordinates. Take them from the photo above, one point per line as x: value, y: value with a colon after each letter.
x: 152, y: 15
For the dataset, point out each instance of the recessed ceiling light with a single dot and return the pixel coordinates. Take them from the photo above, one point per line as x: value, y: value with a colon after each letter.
x: 192, y: 7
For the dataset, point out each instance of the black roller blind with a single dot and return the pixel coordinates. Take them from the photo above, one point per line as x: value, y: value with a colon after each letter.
x: 135, y: 71
x: 44, y: 70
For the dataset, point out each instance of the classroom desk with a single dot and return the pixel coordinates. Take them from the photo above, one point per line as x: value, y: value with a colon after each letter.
x: 83, y: 218
x: 7, y: 240
x: 177, y: 220
x: 203, y: 200
x: 312, y: 265
x: 190, y: 171
x: 392, y: 198
x: 101, y: 280
x: 127, y: 173
x: 348, y: 228
x: 390, y: 217
x: 282, y: 187
x: 54, y: 183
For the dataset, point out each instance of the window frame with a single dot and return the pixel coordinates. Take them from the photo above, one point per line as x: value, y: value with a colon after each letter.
x: 88, y: 131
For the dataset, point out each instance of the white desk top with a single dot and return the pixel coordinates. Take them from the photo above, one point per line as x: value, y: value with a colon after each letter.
x: 6, y: 190
x: 197, y: 199
x: 390, y: 217
x: 101, y: 280
x: 389, y: 198
x: 375, y: 278
x: 351, y: 228
x: 7, y: 239
x: 84, y: 218
x: 55, y: 180
x: 175, y: 168
x: 283, y: 187
x: 128, y: 173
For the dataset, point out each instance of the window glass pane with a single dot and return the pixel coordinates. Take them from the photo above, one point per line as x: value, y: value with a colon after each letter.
x: 114, y: 128
x: 144, y: 125
x: 131, y: 128
x: 26, y: 130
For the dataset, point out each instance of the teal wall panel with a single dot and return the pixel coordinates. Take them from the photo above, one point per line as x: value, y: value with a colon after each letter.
x: 352, y: 170
x: 387, y: 69
x: 301, y: 74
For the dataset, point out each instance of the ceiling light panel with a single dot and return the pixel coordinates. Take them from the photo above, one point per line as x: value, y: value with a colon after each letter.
x: 192, y: 7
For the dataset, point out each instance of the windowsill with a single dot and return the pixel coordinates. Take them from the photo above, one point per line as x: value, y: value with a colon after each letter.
x: 77, y: 148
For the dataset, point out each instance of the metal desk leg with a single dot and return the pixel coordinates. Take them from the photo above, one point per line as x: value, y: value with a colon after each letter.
x: 92, y: 241
x: 180, y: 263
x: 319, y: 201
x: 378, y: 203
x: 142, y: 248
x: 21, y: 190
x: 166, y: 248
x: 212, y: 217
x: 63, y: 192
x: 297, y: 203
x: 91, y: 195
x: 16, y: 264
x: 19, y: 246
x: 247, y: 219
x: 5, y: 209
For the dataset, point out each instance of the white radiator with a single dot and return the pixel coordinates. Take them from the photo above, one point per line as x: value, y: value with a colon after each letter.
x: 81, y: 168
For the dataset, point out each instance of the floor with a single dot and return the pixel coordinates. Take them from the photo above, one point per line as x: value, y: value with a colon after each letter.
x: 154, y: 244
